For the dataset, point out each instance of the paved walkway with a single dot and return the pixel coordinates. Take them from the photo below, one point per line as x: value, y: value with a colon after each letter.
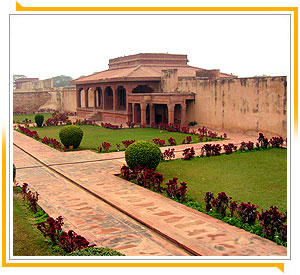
x: 112, y: 212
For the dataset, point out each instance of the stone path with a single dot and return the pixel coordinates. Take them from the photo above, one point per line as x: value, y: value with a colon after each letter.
x: 82, y: 187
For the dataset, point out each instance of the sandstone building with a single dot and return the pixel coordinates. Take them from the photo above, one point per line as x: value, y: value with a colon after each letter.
x: 146, y: 88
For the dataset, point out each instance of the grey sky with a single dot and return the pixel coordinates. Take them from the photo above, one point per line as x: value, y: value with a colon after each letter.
x: 246, y: 45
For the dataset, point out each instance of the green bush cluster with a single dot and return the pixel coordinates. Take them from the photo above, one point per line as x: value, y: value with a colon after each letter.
x: 96, y: 251
x: 39, y: 119
x: 71, y: 135
x: 143, y: 153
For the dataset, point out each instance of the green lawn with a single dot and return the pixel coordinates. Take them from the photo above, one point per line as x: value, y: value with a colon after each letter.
x: 259, y: 176
x: 94, y: 135
x: 21, y: 118
x: 27, y: 239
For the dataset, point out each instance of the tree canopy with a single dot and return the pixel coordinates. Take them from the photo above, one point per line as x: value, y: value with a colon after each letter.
x: 61, y: 81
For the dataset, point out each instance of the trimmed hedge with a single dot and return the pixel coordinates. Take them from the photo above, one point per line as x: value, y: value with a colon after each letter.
x: 96, y: 251
x: 71, y: 135
x: 39, y: 119
x: 143, y: 153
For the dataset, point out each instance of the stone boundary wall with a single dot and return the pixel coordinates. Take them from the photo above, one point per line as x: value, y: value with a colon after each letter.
x: 256, y: 104
x: 62, y: 99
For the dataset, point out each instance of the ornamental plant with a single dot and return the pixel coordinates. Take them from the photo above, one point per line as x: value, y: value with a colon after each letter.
x: 232, y: 207
x: 172, y: 141
x: 247, y: 212
x: 39, y: 119
x: 130, y: 124
x: 143, y: 153
x: 148, y: 178
x: 126, y: 143
x: 220, y: 204
x: 159, y: 142
x: 276, y: 142
x: 209, y: 196
x: 188, y: 153
x: 229, y: 148
x: 126, y: 173
x: 176, y: 192
x: 96, y: 251
x: 263, y: 141
x: 71, y: 241
x: 51, y: 228
x: 71, y: 135
x: 168, y: 154
x: 106, y: 146
x: 273, y: 222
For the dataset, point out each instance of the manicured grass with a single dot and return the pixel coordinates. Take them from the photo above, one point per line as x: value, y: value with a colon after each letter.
x: 94, y: 135
x: 27, y: 240
x: 259, y: 177
x: 22, y: 117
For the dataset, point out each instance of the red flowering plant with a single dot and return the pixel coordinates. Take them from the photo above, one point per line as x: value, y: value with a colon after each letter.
x: 51, y: 228
x: 106, y: 146
x: 188, y: 153
x: 168, y: 154
x: 232, y: 207
x: 209, y: 196
x: 229, y: 148
x: 126, y: 173
x: 126, y: 143
x: 176, y: 192
x: 276, y: 142
x: 273, y: 222
x: 71, y: 241
x: 247, y: 212
x: 159, y: 142
x: 264, y: 143
x: 130, y: 124
x: 220, y: 204
x: 172, y: 141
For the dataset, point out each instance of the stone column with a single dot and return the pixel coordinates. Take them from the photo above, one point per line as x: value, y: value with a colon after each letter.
x: 171, y: 113
x: 143, y: 113
x: 152, y: 113
x: 86, y: 98
x: 115, y: 99
x: 103, y: 98
x: 95, y: 98
x: 183, y: 114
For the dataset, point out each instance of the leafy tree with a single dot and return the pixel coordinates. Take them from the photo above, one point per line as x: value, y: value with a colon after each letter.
x: 61, y: 81
x: 17, y: 76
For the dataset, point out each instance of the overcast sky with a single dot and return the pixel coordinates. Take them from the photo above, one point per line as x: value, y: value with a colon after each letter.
x: 45, y: 46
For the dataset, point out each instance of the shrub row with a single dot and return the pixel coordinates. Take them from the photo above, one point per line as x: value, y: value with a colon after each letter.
x: 70, y: 242
x: 111, y: 126
x: 49, y: 141
x: 272, y: 222
x: 152, y: 180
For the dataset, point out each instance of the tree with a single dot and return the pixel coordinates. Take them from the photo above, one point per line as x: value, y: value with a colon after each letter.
x: 17, y: 76
x: 61, y: 81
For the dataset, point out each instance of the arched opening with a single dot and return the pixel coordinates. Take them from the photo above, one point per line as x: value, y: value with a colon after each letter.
x: 79, y: 103
x: 99, y: 98
x: 140, y: 89
x: 161, y: 113
x: 108, y: 98
x: 177, y: 114
x: 137, y: 113
x: 148, y: 114
x: 121, y: 98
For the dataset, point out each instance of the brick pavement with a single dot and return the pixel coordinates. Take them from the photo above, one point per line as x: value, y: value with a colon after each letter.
x: 191, y: 230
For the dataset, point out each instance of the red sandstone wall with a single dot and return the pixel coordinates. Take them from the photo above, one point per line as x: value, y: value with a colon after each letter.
x: 240, y: 104
x: 29, y: 102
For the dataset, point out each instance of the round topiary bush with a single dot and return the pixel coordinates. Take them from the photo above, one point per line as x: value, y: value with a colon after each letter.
x: 71, y: 135
x: 39, y: 119
x: 144, y: 153
x: 96, y: 251
x: 14, y: 172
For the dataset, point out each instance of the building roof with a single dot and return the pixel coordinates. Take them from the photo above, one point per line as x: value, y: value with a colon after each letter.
x: 142, y: 67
